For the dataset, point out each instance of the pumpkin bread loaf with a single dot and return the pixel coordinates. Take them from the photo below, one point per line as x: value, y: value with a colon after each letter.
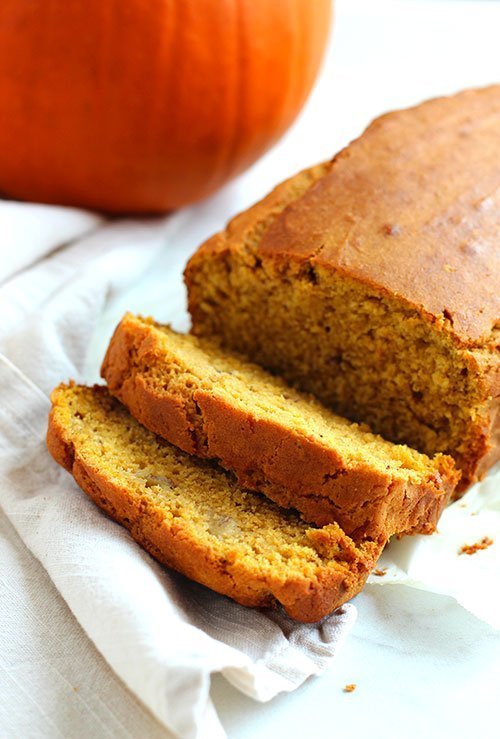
x: 373, y: 281
x: 276, y: 440
x: 192, y: 517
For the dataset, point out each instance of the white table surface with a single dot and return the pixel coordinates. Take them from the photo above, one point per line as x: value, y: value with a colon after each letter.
x: 423, y: 666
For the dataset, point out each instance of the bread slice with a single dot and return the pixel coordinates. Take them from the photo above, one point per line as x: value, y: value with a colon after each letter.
x: 374, y: 282
x: 276, y: 440
x: 192, y: 517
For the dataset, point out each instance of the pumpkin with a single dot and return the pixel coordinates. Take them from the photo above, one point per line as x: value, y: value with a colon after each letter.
x: 142, y: 106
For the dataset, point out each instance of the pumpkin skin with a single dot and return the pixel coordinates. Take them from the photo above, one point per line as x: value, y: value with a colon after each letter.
x: 142, y: 106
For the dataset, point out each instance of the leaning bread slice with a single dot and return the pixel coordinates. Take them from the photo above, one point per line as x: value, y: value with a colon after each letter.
x: 192, y: 517
x: 278, y: 441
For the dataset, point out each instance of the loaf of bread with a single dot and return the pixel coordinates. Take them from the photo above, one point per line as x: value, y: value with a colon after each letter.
x: 276, y: 440
x: 373, y: 281
x: 192, y: 517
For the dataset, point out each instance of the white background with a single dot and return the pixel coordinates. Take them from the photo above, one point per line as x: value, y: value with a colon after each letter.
x: 423, y: 666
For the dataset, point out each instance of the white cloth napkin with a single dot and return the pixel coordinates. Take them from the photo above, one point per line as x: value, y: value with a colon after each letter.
x: 161, y: 634
x: 439, y: 564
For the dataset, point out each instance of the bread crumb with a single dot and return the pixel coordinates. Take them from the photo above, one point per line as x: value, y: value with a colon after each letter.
x: 473, y: 548
x: 380, y: 572
x: 350, y: 688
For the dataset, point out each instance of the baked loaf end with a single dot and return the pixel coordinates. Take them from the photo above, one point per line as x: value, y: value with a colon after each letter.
x: 375, y: 282
x: 190, y: 516
x: 276, y: 440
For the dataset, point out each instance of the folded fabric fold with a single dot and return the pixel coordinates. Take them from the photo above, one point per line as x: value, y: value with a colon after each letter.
x: 164, y: 636
x: 31, y: 231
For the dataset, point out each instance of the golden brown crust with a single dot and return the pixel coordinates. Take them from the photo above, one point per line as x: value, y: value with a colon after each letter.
x: 304, y: 599
x: 249, y: 225
x: 401, y: 210
x: 293, y: 470
x: 133, y: 390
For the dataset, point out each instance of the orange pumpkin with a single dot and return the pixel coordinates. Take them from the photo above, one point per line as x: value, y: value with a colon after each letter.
x: 142, y: 106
